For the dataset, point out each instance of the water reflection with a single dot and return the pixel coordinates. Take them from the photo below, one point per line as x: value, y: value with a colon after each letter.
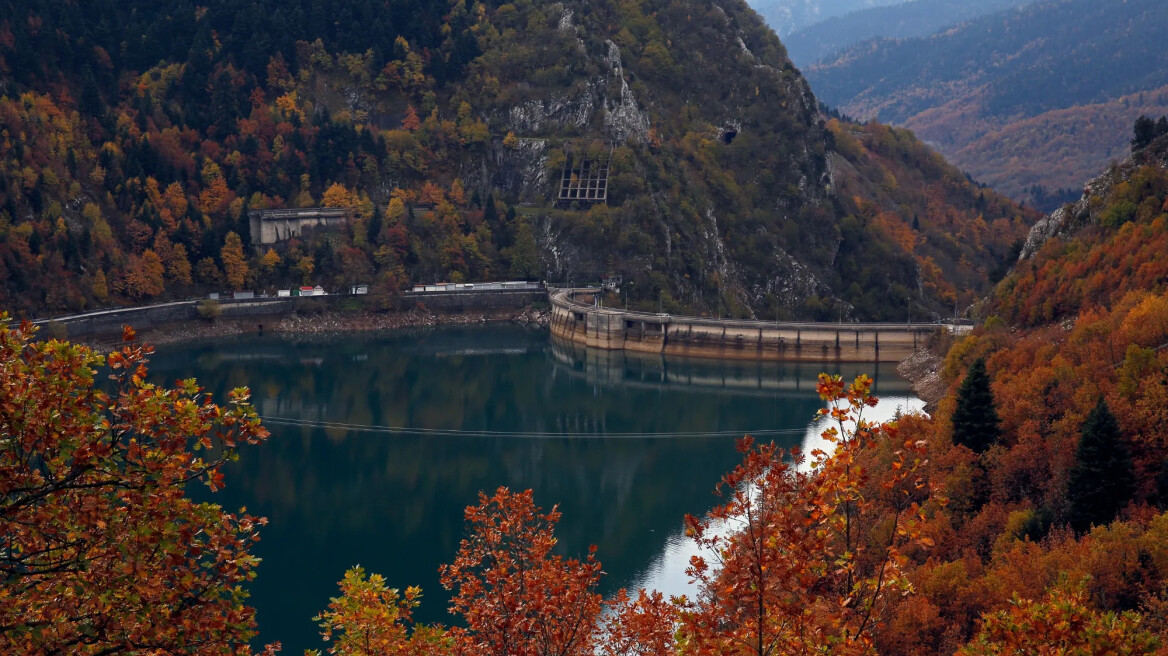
x: 393, y: 502
x: 666, y: 572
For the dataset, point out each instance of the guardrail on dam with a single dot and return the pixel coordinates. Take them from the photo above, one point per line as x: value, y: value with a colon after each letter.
x: 614, y: 329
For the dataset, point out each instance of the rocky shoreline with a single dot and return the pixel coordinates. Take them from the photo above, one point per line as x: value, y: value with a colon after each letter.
x: 923, y: 370
x: 320, y: 323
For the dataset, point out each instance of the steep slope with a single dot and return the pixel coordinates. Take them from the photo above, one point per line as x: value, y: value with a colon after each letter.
x: 968, y: 86
x: 1083, y: 320
x: 450, y: 134
x: 1092, y: 253
x: 917, y: 18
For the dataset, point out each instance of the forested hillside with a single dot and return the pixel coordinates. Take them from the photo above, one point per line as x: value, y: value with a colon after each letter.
x: 918, y: 18
x: 1053, y: 445
x: 136, y: 141
x: 1037, y: 96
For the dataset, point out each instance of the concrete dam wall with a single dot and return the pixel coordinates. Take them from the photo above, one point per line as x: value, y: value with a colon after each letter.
x: 613, y: 329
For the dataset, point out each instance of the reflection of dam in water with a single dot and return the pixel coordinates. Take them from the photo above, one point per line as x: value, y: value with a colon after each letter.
x: 629, y: 368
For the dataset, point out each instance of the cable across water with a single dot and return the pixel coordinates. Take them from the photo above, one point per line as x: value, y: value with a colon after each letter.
x: 456, y: 432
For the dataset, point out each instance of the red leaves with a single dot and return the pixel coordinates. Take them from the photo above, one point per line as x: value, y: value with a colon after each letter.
x: 644, y: 627
x: 517, y: 598
x: 805, y: 561
x: 92, y: 502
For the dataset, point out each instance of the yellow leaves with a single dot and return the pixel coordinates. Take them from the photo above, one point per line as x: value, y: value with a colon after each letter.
x: 337, y: 195
x: 270, y: 260
x: 234, y: 262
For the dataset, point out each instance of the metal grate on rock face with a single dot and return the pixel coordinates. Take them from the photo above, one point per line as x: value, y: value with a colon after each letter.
x: 585, y: 179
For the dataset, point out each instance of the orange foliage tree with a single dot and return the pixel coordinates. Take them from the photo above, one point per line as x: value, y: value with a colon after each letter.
x: 101, y: 551
x: 516, y: 598
x: 1063, y: 623
x: 805, y: 559
x: 234, y: 261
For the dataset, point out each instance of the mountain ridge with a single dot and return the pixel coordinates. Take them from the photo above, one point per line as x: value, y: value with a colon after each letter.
x: 1027, y: 69
x: 917, y: 18
x: 450, y: 146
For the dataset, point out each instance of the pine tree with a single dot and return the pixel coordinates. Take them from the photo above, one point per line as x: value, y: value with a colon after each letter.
x: 373, y: 230
x: 490, y: 212
x: 1143, y: 132
x: 975, y: 419
x: 1102, y: 479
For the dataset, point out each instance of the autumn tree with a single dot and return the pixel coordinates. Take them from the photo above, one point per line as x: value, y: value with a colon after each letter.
x: 305, y: 266
x: 411, y: 121
x: 975, y: 418
x: 337, y: 195
x: 1062, y: 623
x: 645, y: 626
x: 371, y: 619
x: 144, y: 276
x: 801, y: 561
x: 515, y: 597
x: 1102, y: 480
x: 234, y: 261
x: 179, y: 269
x: 100, y: 287
x: 101, y: 549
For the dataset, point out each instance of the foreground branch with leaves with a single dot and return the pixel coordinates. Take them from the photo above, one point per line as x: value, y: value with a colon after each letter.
x: 101, y: 550
x: 799, y: 561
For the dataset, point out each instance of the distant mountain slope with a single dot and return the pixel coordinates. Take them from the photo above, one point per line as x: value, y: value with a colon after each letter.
x: 966, y: 83
x: 1052, y: 150
x: 787, y: 16
x: 917, y: 18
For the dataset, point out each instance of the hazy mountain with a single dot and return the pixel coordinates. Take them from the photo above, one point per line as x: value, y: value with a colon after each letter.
x: 1064, y: 77
x: 899, y: 21
x: 787, y: 16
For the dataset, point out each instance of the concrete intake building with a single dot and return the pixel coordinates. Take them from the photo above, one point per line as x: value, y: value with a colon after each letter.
x: 273, y: 226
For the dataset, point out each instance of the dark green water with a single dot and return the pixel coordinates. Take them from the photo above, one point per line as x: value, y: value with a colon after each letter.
x: 393, y: 502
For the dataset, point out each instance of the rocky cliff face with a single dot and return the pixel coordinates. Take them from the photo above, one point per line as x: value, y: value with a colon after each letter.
x: 702, y: 108
x: 1070, y: 218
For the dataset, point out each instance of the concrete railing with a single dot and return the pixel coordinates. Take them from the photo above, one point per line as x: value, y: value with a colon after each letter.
x: 612, y: 329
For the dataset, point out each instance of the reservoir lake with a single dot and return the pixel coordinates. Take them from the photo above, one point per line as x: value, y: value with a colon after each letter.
x: 379, y: 441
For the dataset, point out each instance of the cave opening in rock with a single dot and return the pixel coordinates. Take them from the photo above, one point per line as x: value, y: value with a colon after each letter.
x: 728, y: 136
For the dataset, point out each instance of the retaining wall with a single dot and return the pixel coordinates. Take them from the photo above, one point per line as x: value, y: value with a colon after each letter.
x: 110, y: 322
x: 474, y: 301
x: 612, y: 329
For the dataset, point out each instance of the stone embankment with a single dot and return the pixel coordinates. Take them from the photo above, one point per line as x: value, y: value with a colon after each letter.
x: 311, y: 314
x: 323, y: 323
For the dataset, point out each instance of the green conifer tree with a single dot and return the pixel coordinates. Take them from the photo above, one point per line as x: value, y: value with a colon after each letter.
x: 524, y: 255
x: 975, y: 419
x: 1102, y: 479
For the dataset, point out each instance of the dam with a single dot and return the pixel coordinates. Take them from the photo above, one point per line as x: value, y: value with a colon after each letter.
x: 578, y: 319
